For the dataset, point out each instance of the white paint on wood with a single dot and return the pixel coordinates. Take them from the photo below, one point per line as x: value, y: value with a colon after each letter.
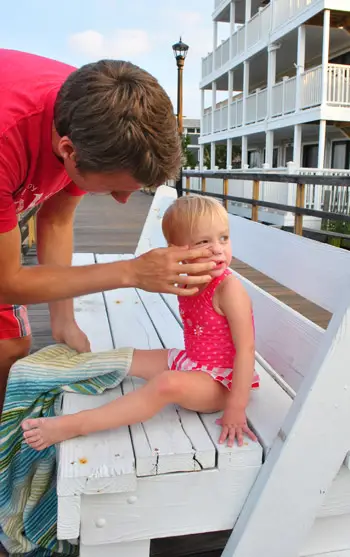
x: 328, y: 535
x: 305, y: 457
x: 171, y: 441
x: 140, y: 548
x: 97, y: 463
x: 319, y: 272
x: 337, y: 500
x: 90, y: 312
x: 169, y: 505
x: 151, y: 236
x: 130, y: 324
x: 68, y: 517
x: 284, y: 338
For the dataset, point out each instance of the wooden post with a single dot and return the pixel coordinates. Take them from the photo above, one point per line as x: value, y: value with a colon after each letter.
x: 188, y: 185
x: 225, y: 191
x: 204, y: 185
x: 31, y: 231
x: 255, y: 208
x: 300, y: 202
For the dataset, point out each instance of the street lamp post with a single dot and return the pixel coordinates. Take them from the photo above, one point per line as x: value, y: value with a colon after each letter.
x: 180, y: 50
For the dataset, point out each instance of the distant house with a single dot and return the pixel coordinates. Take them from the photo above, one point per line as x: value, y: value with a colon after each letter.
x: 191, y: 128
x: 279, y: 85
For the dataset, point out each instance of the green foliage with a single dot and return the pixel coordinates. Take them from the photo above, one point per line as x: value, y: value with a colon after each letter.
x: 221, y: 155
x: 190, y: 159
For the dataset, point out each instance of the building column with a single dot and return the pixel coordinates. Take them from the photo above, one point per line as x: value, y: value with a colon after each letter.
x: 248, y: 14
x: 325, y: 54
x: 271, y: 75
x: 269, y: 148
x: 245, y: 89
x: 232, y: 23
x: 229, y: 154
x: 298, y: 128
x: 213, y: 104
x: 215, y: 42
x: 212, y: 156
x: 244, y: 156
x: 202, y: 111
x: 300, y: 65
x: 229, y: 100
x: 201, y: 158
x: 320, y: 161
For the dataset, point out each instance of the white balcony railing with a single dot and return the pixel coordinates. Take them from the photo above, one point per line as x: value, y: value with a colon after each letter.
x: 257, y: 29
x: 338, y: 89
x: 285, y: 10
x: 258, y: 26
x: 284, y: 98
x: 311, y: 87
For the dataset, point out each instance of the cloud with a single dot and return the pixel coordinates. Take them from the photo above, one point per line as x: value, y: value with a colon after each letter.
x: 122, y: 43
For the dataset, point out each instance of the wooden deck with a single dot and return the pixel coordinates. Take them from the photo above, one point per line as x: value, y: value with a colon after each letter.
x: 103, y: 226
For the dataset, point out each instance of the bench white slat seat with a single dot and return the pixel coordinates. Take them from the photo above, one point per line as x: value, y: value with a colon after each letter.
x: 170, y: 476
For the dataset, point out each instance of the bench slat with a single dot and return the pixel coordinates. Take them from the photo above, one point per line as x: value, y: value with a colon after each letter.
x: 318, y: 272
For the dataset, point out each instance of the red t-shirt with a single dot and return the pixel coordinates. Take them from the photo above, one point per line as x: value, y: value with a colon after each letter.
x: 29, y: 171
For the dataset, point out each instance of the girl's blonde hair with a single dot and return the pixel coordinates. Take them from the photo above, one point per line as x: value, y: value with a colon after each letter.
x: 181, y: 218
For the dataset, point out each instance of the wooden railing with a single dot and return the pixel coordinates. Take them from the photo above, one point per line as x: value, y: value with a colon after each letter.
x: 299, y: 210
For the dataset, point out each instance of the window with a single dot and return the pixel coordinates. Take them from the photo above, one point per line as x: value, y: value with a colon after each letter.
x: 341, y: 155
x: 191, y: 130
x: 254, y: 159
x: 310, y: 156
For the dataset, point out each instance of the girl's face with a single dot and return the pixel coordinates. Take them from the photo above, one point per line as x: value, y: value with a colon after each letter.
x: 213, y: 233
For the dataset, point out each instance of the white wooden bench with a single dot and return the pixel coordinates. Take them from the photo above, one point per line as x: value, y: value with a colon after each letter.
x: 168, y: 476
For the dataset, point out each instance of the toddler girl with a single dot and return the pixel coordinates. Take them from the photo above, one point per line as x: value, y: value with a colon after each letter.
x: 214, y: 372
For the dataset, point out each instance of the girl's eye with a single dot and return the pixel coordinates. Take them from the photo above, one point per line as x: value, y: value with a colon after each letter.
x: 201, y: 242
x: 224, y: 238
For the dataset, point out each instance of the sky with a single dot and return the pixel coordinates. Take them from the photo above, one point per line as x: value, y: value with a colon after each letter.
x: 141, y: 31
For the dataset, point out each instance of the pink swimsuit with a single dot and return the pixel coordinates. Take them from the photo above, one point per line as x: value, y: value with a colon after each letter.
x: 208, y: 340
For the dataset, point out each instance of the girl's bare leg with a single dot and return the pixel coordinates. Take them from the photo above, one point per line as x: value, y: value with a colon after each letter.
x: 192, y: 390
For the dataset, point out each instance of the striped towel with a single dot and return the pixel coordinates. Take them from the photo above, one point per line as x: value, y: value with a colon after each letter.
x: 28, y: 500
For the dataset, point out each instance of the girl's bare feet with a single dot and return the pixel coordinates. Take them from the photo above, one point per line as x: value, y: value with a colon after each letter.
x: 41, y: 433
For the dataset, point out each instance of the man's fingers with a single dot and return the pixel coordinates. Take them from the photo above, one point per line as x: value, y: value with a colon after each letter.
x: 195, y: 268
x: 195, y: 253
x: 186, y: 279
x: 181, y: 291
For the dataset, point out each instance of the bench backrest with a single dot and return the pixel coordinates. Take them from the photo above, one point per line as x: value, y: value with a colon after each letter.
x: 285, y: 339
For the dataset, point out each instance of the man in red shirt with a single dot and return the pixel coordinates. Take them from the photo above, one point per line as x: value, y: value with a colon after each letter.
x: 107, y: 127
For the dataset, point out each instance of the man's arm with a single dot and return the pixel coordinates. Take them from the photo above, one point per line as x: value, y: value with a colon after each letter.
x: 55, y: 222
x: 156, y: 271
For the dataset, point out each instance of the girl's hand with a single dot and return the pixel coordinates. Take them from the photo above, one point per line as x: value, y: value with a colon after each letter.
x: 234, y: 425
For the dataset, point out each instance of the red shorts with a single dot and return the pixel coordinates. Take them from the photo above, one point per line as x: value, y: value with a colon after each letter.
x: 14, y: 322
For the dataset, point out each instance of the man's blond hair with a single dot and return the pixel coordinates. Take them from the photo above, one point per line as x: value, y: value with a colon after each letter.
x: 181, y: 218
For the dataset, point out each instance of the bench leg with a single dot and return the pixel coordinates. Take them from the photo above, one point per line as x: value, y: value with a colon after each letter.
x: 139, y: 548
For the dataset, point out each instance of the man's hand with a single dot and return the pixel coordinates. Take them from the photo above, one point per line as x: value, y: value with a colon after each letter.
x: 164, y: 270
x: 234, y: 425
x: 72, y: 335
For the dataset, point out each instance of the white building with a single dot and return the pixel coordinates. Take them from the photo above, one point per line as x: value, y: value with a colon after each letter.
x: 279, y: 85
x: 191, y: 128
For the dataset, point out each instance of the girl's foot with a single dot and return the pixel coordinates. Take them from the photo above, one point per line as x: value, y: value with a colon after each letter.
x: 41, y: 433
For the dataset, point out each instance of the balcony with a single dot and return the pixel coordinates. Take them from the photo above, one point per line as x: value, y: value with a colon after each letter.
x: 257, y: 29
x: 284, y: 99
x: 285, y: 10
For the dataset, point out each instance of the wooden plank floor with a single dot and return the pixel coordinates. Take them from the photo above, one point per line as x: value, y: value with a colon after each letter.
x: 103, y: 226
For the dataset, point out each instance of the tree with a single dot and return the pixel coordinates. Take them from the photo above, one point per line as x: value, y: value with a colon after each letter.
x: 221, y: 155
x: 190, y: 159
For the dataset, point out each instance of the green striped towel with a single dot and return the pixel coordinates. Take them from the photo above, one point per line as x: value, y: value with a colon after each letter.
x: 28, y: 500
